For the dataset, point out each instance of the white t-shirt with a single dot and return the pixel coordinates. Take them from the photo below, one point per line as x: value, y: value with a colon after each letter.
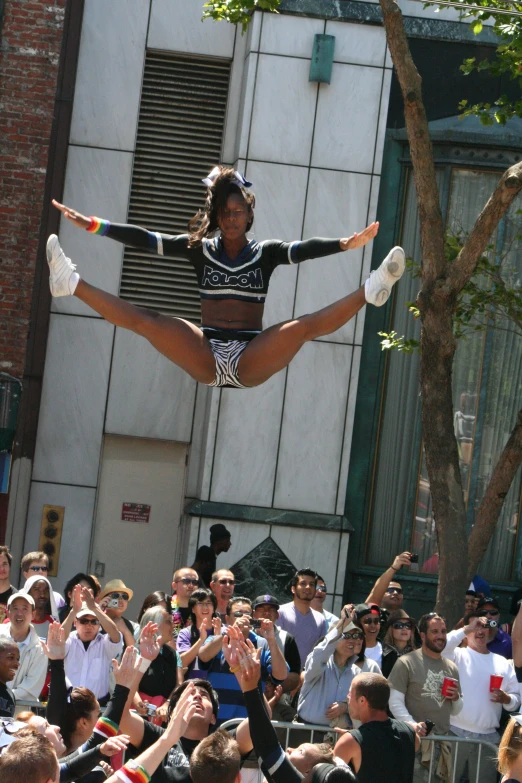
x: 375, y: 653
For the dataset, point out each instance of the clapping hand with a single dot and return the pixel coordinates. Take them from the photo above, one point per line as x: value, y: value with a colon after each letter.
x: 149, y: 645
x: 55, y: 647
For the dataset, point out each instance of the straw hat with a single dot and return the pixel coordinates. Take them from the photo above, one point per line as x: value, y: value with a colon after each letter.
x: 116, y: 586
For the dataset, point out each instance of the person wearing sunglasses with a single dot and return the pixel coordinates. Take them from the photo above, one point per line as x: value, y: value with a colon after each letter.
x: 114, y: 600
x: 318, y: 602
x: 398, y: 639
x: 89, y: 652
x: 184, y: 582
x: 499, y: 641
x: 222, y: 585
x: 369, y: 618
x: 329, y: 671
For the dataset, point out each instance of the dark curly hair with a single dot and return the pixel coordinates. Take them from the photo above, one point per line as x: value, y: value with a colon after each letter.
x: 205, y: 222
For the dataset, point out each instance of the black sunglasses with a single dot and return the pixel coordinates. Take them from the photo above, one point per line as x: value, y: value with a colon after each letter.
x: 394, y: 590
x: 353, y: 635
x: 86, y: 621
x: 187, y: 581
x: 117, y: 596
x: 371, y: 621
x: 400, y: 625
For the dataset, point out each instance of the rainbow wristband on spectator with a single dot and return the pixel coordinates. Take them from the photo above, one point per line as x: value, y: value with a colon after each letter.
x: 98, y: 226
x: 133, y: 773
x: 107, y: 728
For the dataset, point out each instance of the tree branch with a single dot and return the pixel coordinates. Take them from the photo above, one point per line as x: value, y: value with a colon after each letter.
x: 488, y: 512
x: 430, y: 217
x: 507, y: 190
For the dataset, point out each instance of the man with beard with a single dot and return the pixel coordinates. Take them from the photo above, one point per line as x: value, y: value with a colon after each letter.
x: 298, y: 617
x: 222, y: 585
x: 416, y: 683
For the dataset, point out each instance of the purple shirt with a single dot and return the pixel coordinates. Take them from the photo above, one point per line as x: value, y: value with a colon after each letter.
x: 183, y: 644
x: 501, y: 644
x: 306, y: 628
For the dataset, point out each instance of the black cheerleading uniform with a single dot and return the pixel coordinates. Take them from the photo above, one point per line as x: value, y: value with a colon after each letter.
x: 244, y: 278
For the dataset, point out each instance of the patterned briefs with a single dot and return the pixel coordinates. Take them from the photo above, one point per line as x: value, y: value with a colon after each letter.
x: 227, y: 346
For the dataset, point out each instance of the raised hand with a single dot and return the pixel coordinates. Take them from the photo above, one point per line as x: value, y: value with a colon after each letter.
x: 361, y: 239
x: 55, y: 647
x: 149, y: 645
x: 183, y: 713
x: 113, y: 745
x: 126, y: 671
x: 401, y: 560
x: 231, y: 645
x: 250, y: 665
x: 76, y: 598
x: 75, y: 217
x: 216, y: 626
x: 88, y: 598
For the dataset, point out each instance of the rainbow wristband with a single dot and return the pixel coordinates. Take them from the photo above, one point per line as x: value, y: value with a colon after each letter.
x: 133, y: 773
x: 98, y: 226
x: 107, y: 728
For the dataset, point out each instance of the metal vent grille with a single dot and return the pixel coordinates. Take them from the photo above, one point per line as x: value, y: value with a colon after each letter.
x: 180, y: 129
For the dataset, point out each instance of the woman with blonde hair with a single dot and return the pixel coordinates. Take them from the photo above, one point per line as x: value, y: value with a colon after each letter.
x: 510, y: 752
x: 398, y: 639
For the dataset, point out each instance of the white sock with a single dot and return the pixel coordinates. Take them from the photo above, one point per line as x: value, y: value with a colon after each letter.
x: 73, y: 282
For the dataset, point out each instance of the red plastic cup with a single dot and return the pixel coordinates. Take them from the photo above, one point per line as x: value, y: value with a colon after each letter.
x: 448, y: 682
x: 495, y: 681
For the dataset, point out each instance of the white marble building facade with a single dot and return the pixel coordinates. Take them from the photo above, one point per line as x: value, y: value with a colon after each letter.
x: 313, y: 153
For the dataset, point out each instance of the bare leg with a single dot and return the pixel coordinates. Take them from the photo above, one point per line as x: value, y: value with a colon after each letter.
x: 275, y: 348
x: 177, y: 339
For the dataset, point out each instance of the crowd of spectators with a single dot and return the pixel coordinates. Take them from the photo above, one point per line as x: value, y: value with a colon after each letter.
x: 373, y: 682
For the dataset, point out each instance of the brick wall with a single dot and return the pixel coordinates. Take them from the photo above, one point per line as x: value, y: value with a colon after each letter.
x: 31, y: 38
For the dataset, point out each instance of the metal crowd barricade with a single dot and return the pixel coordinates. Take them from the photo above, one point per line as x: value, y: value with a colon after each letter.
x: 454, y: 740
x: 314, y: 729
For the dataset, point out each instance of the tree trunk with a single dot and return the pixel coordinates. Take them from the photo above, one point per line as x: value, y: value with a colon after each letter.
x: 488, y: 512
x: 442, y: 459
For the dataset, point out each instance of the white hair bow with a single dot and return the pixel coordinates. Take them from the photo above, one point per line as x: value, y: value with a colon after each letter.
x: 209, y: 181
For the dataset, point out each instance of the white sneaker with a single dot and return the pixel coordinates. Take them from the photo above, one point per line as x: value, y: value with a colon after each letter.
x: 378, y: 287
x: 63, y: 279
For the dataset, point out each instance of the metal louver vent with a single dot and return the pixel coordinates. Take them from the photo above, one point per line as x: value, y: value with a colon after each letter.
x: 180, y: 129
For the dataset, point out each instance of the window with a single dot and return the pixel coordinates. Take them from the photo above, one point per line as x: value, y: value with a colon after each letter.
x: 180, y: 130
x: 487, y: 384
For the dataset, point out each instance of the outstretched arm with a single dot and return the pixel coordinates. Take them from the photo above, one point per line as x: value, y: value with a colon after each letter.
x: 382, y: 583
x: 135, y: 236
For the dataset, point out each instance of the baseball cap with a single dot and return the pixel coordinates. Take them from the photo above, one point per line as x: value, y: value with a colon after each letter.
x: 85, y: 611
x: 25, y: 596
x: 488, y: 600
x: 261, y: 600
